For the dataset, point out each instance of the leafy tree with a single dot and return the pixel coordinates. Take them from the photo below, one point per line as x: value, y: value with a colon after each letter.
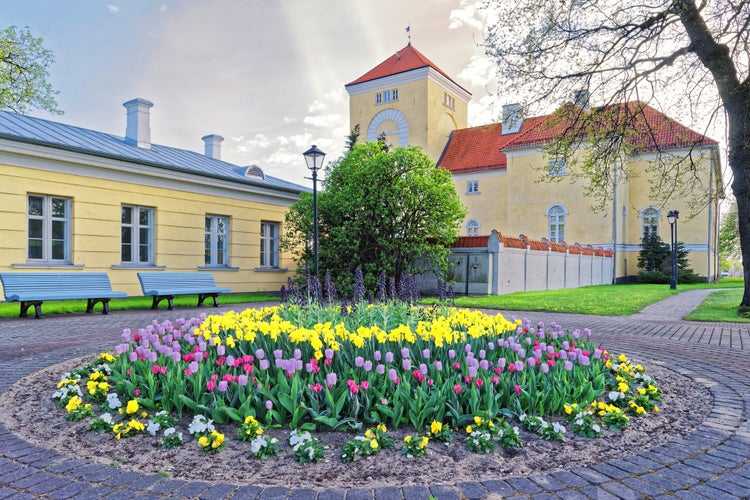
x: 639, y: 51
x: 729, y: 236
x: 353, y: 137
x: 380, y: 210
x: 23, y: 72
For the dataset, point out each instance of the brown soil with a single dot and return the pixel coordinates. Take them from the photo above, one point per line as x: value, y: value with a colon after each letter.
x: 27, y: 409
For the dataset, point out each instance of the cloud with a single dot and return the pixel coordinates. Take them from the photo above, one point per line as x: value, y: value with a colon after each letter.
x: 113, y: 9
x: 480, y: 71
x: 324, y: 121
x: 485, y: 110
x: 163, y: 8
x: 335, y: 96
x: 470, y: 14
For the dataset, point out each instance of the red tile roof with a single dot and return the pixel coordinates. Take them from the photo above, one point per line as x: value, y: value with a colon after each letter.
x: 481, y: 148
x: 403, y: 60
x: 471, y: 242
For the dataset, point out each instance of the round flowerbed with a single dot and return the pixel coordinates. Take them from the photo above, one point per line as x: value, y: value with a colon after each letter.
x: 442, y: 374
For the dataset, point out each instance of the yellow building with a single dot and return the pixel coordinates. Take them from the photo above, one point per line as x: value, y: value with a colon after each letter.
x: 73, y: 199
x: 497, y: 167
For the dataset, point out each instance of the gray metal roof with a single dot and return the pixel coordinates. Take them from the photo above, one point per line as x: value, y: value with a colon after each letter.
x: 44, y: 132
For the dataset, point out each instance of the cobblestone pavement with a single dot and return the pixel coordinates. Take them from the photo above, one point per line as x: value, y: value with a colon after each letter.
x: 711, y: 462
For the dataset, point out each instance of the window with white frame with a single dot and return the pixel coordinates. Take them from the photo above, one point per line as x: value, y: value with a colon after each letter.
x: 557, y: 166
x: 394, y: 95
x: 137, y: 235
x: 217, y: 240
x: 472, y: 187
x: 556, y: 215
x: 378, y: 98
x: 649, y: 221
x: 472, y: 227
x: 449, y: 100
x: 48, y: 229
x: 269, y: 244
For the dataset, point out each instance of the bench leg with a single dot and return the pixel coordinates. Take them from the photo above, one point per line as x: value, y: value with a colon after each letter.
x: 25, y: 304
x: 203, y: 296
x: 92, y: 302
x: 158, y: 298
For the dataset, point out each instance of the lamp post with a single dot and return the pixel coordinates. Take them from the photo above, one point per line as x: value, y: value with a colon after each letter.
x: 672, y: 217
x: 314, y: 160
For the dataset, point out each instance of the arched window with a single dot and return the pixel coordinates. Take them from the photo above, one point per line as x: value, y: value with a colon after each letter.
x: 472, y: 227
x: 556, y: 222
x: 649, y: 221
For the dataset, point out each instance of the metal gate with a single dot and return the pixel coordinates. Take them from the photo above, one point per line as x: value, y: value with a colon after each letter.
x: 470, y: 273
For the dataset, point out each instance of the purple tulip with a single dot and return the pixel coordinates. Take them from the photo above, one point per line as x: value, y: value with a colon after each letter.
x: 377, y: 355
x: 405, y: 352
x: 223, y: 386
x: 133, y: 356
x: 264, y: 364
x: 269, y: 404
x: 359, y: 361
x: 380, y: 369
x: 242, y: 380
x: 563, y: 354
x: 576, y: 333
x: 472, y: 371
x: 587, y: 332
x: 202, y: 346
x: 438, y: 365
x: 193, y: 367
x: 531, y: 362
x: 176, y: 357
x: 221, y: 350
x: 522, y: 353
x: 583, y: 360
x: 426, y: 354
x: 565, y: 345
x: 484, y: 364
x: 544, y: 367
x: 328, y: 353
x: 389, y: 357
x: 392, y: 374
x: 260, y: 354
x: 467, y: 348
x: 126, y: 335
x: 297, y: 354
x: 331, y: 379
x: 423, y: 369
x: 491, y: 346
x: 452, y: 354
x: 199, y: 356
x: 568, y: 365
x: 278, y: 353
x: 519, y: 365
x: 597, y: 353
x: 501, y: 363
x: 406, y: 364
x: 482, y: 354
x: 367, y: 366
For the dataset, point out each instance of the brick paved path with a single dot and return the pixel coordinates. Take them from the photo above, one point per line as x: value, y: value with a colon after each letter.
x: 711, y: 462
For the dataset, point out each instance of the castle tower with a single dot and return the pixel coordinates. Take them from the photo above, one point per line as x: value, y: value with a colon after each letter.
x: 410, y: 100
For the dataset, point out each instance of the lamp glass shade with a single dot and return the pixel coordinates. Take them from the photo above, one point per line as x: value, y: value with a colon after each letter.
x: 314, y: 158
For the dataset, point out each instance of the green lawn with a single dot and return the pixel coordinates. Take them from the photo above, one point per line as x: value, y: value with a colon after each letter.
x: 719, y: 306
x: 607, y: 300
x: 11, y: 309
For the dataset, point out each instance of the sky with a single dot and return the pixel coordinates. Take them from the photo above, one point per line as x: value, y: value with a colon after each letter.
x: 267, y: 75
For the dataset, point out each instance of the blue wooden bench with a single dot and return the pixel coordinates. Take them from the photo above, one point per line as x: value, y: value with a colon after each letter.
x: 31, y: 289
x: 162, y: 286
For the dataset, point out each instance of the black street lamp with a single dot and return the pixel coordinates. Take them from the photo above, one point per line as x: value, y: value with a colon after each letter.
x: 314, y: 160
x: 672, y: 217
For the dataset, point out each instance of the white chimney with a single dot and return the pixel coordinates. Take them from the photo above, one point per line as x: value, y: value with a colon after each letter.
x: 213, y: 145
x: 512, y: 119
x: 138, y: 131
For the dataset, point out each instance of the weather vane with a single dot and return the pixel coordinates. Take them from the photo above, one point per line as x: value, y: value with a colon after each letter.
x: 408, y: 32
